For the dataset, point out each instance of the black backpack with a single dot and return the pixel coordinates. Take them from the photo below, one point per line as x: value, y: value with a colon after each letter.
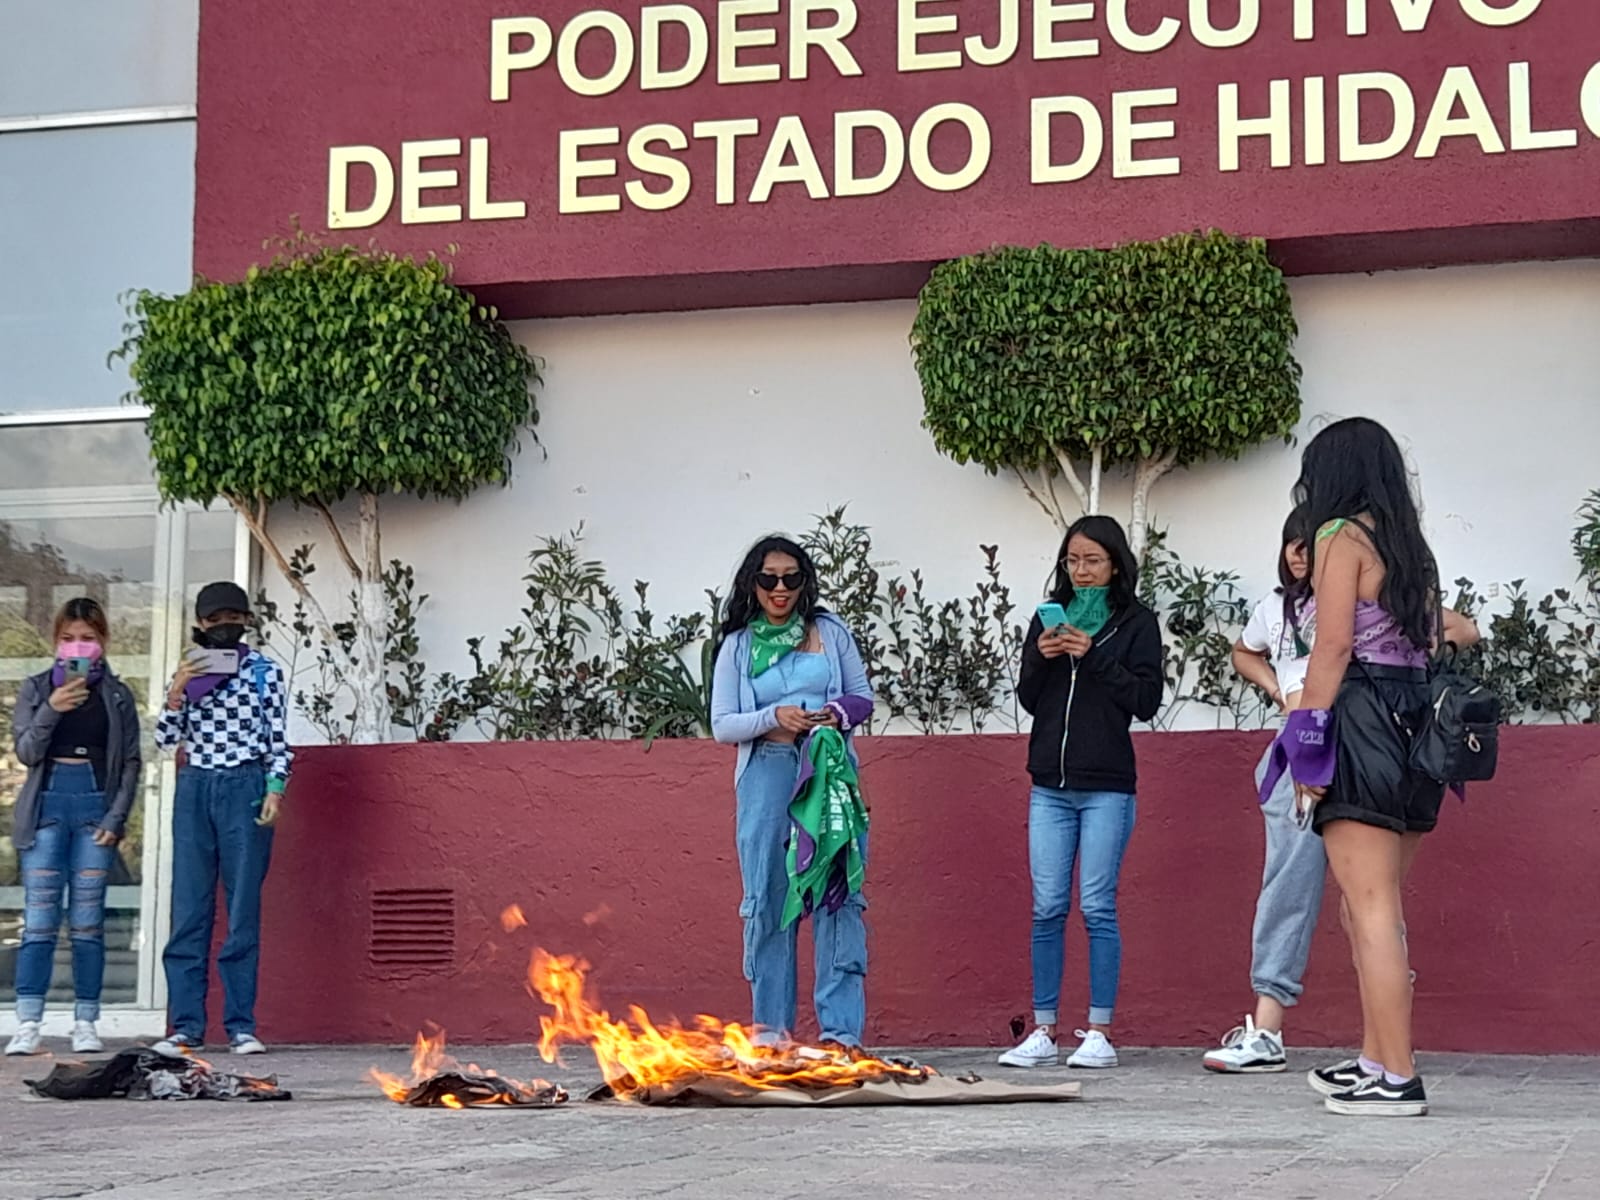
x: 1459, y: 741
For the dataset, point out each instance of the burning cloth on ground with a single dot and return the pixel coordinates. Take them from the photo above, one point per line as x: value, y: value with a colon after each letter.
x: 141, y: 1074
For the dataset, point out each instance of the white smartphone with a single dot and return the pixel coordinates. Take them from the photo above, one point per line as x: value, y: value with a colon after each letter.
x: 215, y: 662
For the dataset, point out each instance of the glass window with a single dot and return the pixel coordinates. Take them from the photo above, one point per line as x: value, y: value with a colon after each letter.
x: 84, y: 55
x: 85, y: 215
x: 45, y: 561
x: 34, y: 458
x: 79, y: 515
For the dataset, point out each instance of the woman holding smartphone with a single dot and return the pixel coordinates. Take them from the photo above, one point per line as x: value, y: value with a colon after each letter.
x: 76, y: 729
x: 1091, y: 666
x: 785, y: 667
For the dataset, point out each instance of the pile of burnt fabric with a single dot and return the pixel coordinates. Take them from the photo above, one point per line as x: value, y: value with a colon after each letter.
x: 464, y: 1089
x: 141, y: 1074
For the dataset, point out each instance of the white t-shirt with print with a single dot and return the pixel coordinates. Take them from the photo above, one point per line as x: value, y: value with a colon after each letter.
x: 1268, y: 633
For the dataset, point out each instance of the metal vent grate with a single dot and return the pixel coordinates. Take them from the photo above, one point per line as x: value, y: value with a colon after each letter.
x: 412, y: 929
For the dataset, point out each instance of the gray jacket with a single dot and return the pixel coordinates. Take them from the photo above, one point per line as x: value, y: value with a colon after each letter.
x: 35, y: 721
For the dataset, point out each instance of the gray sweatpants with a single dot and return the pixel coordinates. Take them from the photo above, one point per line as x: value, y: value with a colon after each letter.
x: 1290, y: 900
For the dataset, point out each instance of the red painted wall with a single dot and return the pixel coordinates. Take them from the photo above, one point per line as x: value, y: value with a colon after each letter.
x: 283, y: 81
x: 626, y: 857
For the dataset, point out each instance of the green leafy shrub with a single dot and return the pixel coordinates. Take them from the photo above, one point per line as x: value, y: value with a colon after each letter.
x: 1150, y: 355
x: 329, y: 372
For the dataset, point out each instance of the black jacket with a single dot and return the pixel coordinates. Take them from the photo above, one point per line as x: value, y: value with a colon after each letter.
x: 31, y: 727
x: 1082, y: 707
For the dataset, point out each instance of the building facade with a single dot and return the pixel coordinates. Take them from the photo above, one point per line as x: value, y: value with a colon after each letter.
x: 1448, y: 287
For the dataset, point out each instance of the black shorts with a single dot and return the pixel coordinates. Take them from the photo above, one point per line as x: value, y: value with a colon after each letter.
x: 1373, y: 781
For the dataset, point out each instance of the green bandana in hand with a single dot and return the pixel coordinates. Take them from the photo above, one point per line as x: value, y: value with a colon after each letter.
x: 1089, y: 609
x: 769, y: 643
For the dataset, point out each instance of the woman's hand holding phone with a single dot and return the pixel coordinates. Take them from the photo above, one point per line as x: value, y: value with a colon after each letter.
x: 70, y: 695
x: 1076, y: 641
x: 794, y: 719
x: 1053, y: 643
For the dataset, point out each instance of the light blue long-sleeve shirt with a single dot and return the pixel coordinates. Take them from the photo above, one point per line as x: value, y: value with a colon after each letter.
x: 735, y: 714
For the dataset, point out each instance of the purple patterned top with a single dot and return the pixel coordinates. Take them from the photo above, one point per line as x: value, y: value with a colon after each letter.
x: 1379, y: 640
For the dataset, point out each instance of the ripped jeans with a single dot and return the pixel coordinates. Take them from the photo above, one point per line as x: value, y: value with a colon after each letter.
x: 770, y: 951
x: 64, y: 860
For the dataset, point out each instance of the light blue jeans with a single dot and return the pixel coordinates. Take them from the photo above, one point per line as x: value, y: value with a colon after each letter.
x: 65, y: 862
x: 761, y: 832
x: 1290, y: 900
x: 1091, y: 829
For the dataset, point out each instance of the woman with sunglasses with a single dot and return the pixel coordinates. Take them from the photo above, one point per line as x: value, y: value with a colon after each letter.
x: 785, y: 667
x: 1085, y: 681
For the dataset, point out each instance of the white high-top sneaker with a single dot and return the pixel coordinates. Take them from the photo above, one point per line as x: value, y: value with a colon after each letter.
x: 1248, y: 1051
x: 85, y: 1039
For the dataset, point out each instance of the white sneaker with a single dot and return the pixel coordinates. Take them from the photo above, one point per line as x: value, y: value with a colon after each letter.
x: 248, y: 1043
x: 1248, y: 1051
x: 1038, y: 1049
x: 84, y: 1038
x: 25, y: 1040
x: 1094, y: 1052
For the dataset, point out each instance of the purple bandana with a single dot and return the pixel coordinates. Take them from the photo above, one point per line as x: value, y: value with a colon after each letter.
x: 201, y: 686
x: 1307, y: 748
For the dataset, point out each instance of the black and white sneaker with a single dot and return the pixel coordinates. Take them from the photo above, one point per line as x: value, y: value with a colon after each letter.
x: 1340, y: 1077
x: 1376, y: 1098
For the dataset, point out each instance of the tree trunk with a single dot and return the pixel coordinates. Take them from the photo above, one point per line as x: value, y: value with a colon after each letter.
x: 1144, y: 478
x: 368, y: 672
x: 1094, y: 481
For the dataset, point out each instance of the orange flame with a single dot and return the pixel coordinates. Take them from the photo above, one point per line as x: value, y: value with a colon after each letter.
x: 429, y: 1058
x: 512, y: 918
x: 638, y: 1054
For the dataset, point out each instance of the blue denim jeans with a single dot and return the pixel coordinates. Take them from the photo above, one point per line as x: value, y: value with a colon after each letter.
x: 64, y: 859
x: 1291, y: 897
x: 1091, y: 829
x: 214, y: 833
x: 761, y: 832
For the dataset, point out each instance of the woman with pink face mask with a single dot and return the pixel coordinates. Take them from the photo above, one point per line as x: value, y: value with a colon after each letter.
x: 77, y: 731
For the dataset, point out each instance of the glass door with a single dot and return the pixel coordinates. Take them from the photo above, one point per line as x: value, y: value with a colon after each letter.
x: 87, y: 522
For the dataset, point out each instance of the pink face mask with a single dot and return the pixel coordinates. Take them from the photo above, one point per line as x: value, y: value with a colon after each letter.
x: 89, y: 650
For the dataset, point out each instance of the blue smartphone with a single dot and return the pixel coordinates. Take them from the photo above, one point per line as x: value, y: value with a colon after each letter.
x: 1052, y: 615
x: 77, y: 668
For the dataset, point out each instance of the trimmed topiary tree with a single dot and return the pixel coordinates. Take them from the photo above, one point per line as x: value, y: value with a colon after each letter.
x: 326, y: 373
x: 1151, y: 355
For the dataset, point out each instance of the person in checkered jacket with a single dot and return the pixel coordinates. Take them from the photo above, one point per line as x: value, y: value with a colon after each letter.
x: 226, y: 715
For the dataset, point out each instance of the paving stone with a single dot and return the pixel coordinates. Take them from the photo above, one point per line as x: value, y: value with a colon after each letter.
x: 1157, y: 1128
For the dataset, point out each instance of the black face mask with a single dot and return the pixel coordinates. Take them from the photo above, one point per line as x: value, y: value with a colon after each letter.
x: 219, y: 637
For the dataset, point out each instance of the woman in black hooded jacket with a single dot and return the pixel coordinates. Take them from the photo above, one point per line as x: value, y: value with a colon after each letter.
x: 1085, y: 682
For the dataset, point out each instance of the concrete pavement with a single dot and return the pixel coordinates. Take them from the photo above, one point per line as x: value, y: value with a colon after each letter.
x: 1157, y: 1128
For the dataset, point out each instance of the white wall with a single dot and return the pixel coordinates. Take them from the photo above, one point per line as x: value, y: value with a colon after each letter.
x: 677, y: 439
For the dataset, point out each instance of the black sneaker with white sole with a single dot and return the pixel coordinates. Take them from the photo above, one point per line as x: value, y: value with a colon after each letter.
x: 1377, y: 1098
x: 1340, y: 1077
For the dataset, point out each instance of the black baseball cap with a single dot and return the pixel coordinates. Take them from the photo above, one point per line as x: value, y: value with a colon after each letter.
x: 220, y: 597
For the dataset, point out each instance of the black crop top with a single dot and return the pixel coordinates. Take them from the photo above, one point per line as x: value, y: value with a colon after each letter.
x: 83, y: 732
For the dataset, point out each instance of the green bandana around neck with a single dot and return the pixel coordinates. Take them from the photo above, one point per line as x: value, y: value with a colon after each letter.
x: 770, y: 643
x: 1089, y: 609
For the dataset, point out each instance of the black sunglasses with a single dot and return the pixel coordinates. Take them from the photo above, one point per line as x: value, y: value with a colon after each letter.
x: 791, y: 581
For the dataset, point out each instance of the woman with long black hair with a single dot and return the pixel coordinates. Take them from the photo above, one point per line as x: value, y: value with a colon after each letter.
x: 786, y: 670
x: 1085, y: 681
x: 1376, y: 610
